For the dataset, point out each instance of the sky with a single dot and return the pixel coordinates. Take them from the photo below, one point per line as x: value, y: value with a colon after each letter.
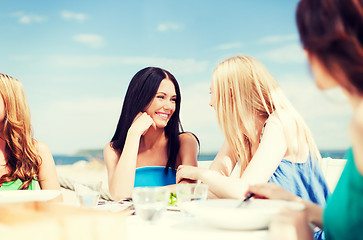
x: 76, y: 59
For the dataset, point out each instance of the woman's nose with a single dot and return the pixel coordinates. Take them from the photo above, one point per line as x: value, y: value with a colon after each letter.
x: 168, y: 105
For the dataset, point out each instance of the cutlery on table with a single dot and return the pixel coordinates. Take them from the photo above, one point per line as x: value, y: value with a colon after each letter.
x: 245, y: 200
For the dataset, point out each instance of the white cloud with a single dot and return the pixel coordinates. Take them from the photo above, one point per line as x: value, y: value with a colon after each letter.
x: 279, y: 38
x: 176, y: 66
x: 71, y: 125
x: 170, y: 26
x: 28, y: 18
x: 292, y: 53
x: 68, y: 15
x: 90, y: 40
x: 228, y: 46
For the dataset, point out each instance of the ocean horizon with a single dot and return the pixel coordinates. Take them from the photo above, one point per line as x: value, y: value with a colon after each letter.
x: 65, y: 159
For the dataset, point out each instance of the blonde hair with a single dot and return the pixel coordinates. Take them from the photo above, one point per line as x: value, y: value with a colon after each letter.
x: 244, y: 89
x: 22, y: 157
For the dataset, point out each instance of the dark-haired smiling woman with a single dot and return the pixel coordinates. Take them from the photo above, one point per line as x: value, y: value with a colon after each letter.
x: 148, y: 145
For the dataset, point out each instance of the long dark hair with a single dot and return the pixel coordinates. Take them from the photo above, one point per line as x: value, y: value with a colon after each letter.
x: 141, y: 91
x: 332, y: 31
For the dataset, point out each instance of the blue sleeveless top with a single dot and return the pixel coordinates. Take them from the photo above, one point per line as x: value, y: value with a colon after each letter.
x: 154, y: 176
x: 304, y: 180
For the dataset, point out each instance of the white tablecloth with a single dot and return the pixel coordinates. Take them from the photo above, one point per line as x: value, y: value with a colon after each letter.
x: 175, y: 226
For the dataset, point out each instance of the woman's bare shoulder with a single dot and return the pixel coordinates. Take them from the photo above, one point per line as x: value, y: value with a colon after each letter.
x: 108, y: 147
x: 44, y: 152
x: 188, y: 138
x: 41, y: 147
x: 109, y: 153
x: 188, y: 149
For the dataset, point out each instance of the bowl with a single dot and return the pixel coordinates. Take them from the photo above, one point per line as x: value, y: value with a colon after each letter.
x: 223, y: 213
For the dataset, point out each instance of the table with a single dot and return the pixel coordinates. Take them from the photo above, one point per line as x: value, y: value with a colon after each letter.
x: 53, y: 221
x: 175, y: 226
x: 109, y: 221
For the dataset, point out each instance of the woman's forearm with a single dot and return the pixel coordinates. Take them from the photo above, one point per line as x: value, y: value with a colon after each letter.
x: 122, y: 180
x: 223, y: 186
x: 314, y: 213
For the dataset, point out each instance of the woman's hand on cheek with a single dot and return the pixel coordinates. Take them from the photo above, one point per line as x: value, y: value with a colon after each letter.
x: 142, y: 123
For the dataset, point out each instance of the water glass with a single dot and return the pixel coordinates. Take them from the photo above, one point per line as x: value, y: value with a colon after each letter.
x: 88, y: 193
x: 150, y: 202
x: 190, y: 192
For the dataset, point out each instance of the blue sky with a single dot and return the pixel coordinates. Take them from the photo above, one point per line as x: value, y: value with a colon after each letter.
x: 76, y: 58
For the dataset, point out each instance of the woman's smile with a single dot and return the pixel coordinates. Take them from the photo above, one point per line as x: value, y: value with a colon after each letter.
x: 164, y: 116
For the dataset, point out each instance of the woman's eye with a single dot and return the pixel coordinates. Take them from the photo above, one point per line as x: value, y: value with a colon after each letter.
x: 161, y: 97
x: 173, y: 99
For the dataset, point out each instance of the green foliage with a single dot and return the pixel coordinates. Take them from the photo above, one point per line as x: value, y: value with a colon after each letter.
x: 173, y: 199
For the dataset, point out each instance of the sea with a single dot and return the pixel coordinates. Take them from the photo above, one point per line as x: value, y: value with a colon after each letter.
x: 70, y: 159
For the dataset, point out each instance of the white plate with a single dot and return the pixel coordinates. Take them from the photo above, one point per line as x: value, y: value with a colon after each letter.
x: 115, y: 206
x: 223, y: 213
x: 173, y: 208
x: 27, y: 195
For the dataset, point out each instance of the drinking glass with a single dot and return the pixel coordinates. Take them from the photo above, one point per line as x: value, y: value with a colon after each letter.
x: 150, y: 202
x: 190, y: 192
x: 88, y: 193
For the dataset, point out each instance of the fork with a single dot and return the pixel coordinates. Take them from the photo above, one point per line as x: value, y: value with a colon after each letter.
x: 245, y: 200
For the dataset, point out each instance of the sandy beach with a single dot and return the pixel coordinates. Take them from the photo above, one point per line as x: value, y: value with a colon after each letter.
x: 82, y: 171
x: 95, y: 169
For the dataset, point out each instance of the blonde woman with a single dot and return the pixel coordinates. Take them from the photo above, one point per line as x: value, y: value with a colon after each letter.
x: 264, y: 134
x: 23, y: 160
